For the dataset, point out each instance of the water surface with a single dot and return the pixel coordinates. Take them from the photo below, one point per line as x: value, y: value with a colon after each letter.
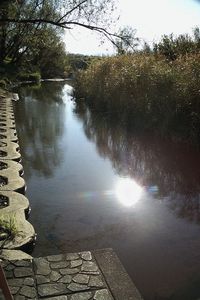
x: 93, y: 184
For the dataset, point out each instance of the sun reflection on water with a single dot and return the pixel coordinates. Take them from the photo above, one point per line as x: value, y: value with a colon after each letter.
x: 128, y: 191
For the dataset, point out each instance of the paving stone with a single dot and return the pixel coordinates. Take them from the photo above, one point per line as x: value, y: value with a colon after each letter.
x: 15, y: 254
x: 28, y: 291
x: 42, y: 266
x: 69, y: 271
x: 9, y: 267
x: 28, y: 281
x: 86, y: 255
x: 81, y: 296
x: 53, y: 258
x: 9, y: 274
x: 4, y: 263
x: 59, y: 265
x: 102, y: 295
x: 40, y: 279
x: 51, y: 289
x: 75, y: 287
x: 81, y: 278
x: 76, y: 263
x: 22, y: 263
x: 72, y: 256
x: 23, y: 272
x: 54, y: 276
x: 96, y: 281
x: 15, y: 282
x: 19, y: 297
x: 58, y: 298
x: 66, y: 279
x: 14, y: 289
x: 89, y: 266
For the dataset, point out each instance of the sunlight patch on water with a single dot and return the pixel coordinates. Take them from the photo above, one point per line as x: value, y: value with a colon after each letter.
x: 128, y: 191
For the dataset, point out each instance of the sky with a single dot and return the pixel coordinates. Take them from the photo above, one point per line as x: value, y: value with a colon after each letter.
x: 151, y: 19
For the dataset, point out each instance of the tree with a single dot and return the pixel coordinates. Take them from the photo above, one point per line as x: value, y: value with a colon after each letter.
x: 172, y: 47
x: 127, y: 42
x: 90, y: 14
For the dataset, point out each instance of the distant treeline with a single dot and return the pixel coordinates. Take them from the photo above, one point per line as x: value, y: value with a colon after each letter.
x: 156, y: 89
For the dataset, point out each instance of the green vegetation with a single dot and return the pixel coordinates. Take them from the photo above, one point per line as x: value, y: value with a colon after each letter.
x: 35, y: 77
x: 31, y: 34
x: 8, y: 229
x: 148, y: 90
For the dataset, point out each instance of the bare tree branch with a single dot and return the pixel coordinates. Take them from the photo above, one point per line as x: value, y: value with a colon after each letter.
x: 70, y: 11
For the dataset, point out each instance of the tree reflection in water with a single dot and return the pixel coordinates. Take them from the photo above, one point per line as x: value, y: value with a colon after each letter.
x: 42, y: 109
x: 167, y: 168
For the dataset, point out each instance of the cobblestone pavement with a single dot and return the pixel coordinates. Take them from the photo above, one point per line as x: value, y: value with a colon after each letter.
x: 74, y: 276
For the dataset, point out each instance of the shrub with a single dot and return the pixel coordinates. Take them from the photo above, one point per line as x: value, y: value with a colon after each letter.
x: 34, y: 77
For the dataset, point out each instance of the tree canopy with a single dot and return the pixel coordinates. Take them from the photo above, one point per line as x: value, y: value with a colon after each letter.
x: 31, y: 30
x: 90, y: 14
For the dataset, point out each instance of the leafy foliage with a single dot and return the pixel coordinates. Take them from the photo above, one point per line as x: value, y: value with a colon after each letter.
x: 128, y: 41
x: 172, y: 47
x: 31, y: 31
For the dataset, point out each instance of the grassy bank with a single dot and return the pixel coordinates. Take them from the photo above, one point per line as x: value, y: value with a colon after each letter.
x: 146, y: 91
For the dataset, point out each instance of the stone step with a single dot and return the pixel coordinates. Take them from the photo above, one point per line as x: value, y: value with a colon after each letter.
x: 10, y: 180
x: 9, y: 151
x: 71, y: 276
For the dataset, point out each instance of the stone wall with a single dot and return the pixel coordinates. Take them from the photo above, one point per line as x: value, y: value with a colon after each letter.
x: 14, y: 206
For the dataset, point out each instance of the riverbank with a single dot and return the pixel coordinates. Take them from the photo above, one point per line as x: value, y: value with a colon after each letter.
x: 15, y: 231
x: 146, y: 92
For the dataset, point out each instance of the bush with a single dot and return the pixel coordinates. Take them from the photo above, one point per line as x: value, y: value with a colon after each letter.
x: 33, y: 77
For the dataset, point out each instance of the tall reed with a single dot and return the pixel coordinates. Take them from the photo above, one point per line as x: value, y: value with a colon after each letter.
x: 146, y: 91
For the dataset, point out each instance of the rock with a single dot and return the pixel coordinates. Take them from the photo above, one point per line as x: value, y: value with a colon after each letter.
x: 75, y: 287
x: 76, y: 263
x: 23, y: 272
x: 23, y: 263
x: 81, y: 278
x: 56, y: 258
x: 42, y: 266
x: 15, y: 282
x: 54, y: 276
x: 9, y: 267
x: 9, y: 274
x: 96, y: 281
x: 66, y: 279
x: 59, y: 265
x: 72, y: 256
x: 86, y: 255
x: 14, y: 289
x: 14, y: 255
x: 51, y: 289
x: 58, y: 298
x: 40, y: 279
x: 102, y: 295
x: 28, y: 292
x: 89, y: 266
x: 82, y: 296
x: 29, y: 281
x: 19, y: 297
x: 69, y: 271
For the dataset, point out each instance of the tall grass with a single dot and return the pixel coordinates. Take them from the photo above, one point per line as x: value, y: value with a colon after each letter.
x: 146, y: 91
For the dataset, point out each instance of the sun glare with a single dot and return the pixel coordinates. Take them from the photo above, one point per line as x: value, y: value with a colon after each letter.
x: 128, y: 191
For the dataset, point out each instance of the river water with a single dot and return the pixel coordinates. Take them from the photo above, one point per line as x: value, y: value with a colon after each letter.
x: 92, y: 184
